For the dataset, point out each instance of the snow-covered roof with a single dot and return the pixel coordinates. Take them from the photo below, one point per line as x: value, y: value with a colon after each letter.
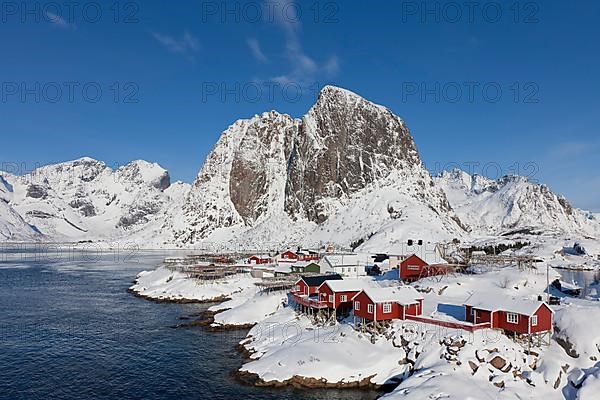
x: 569, y: 286
x: 404, y: 295
x: 318, y: 280
x: 339, y: 260
x: 283, y: 268
x: 301, y: 264
x: 261, y: 256
x: 500, y: 302
x: 347, y: 285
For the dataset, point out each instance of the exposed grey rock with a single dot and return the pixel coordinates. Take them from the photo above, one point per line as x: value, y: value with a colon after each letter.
x: 37, y: 192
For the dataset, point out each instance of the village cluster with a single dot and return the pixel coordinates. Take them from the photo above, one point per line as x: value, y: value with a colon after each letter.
x: 374, y: 289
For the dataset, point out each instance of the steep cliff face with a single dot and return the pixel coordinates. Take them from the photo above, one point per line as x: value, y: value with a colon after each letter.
x: 243, y: 178
x: 345, y: 144
x: 272, y: 177
x: 512, y: 203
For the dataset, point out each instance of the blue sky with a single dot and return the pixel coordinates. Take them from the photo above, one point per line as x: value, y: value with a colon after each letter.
x: 494, y: 87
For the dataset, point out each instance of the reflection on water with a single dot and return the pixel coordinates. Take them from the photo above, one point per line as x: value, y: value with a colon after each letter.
x: 69, y: 330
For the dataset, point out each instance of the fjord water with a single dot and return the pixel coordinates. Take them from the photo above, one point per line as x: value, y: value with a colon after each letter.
x: 70, y: 330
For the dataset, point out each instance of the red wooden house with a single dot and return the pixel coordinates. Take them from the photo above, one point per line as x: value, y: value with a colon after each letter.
x: 384, y: 304
x: 307, y: 255
x: 309, y: 285
x: 339, y: 293
x: 306, y: 291
x: 259, y: 259
x: 512, y: 315
x: 413, y: 268
x: 288, y: 256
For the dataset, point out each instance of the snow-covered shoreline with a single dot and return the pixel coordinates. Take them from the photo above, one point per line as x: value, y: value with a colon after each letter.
x: 285, y: 348
x: 163, y: 284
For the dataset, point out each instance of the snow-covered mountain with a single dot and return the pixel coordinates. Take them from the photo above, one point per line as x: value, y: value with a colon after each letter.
x: 87, y: 200
x: 347, y: 171
x: 513, y: 203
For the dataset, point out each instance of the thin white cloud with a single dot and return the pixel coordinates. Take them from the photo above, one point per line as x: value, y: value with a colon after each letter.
x: 191, y: 42
x: 332, y: 67
x: 570, y: 150
x: 256, y: 50
x: 303, y: 69
x: 58, y: 21
x: 186, y: 46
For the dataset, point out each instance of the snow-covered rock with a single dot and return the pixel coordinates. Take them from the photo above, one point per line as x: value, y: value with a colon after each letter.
x: 85, y: 199
x: 348, y: 170
x: 13, y: 227
x: 513, y: 204
x: 164, y: 284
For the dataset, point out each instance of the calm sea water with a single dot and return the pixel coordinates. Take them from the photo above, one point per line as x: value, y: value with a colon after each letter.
x: 69, y: 330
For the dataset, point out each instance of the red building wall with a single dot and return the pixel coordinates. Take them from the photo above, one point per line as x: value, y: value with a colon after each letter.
x: 499, y: 321
x: 408, y: 271
x: 305, y: 289
x: 544, y: 320
x: 325, y: 291
x: 258, y: 260
x: 289, y: 255
x: 308, y: 257
x: 479, y: 317
x: 362, y: 311
x: 397, y: 312
x: 522, y: 325
x: 414, y: 309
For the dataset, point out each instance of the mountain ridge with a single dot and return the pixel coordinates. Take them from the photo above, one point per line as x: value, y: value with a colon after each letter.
x: 347, y: 172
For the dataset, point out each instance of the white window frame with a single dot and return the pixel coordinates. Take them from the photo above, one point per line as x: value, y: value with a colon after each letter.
x: 512, y: 318
x: 331, y: 298
x: 297, y: 288
x: 413, y: 267
x: 534, y: 320
x: 472, y: 311
x: 357, y: 305
x: 343, y: 298
x: 370, y: 309
x: 387, y: 308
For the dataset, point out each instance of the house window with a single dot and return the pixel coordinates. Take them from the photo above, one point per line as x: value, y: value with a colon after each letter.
x: 297, y: 288
x: 472, y: 311
x: 331, y: 298
x: 534, y: 320
x: 512, y: 318
x: 370, y: 308
x: 413, y: 267
x: 357, y: 305
x: 343, y: 298
x: 387, y: 308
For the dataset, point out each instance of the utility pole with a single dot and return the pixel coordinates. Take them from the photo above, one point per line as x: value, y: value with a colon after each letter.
x: 548, y: 283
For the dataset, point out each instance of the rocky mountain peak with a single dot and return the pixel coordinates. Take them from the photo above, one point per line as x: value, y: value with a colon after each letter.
x: 511, y: 201
x: 143, y: 172
x: 345, y: 143
x: 272, y: 169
